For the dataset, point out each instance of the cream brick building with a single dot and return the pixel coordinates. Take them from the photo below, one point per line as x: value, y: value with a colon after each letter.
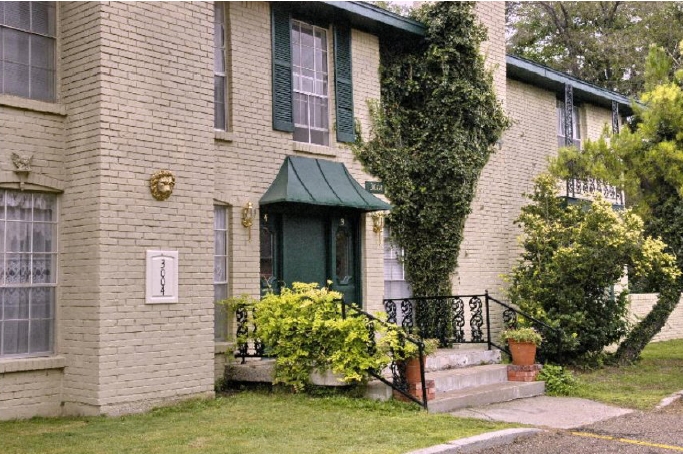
x: 246, y: 103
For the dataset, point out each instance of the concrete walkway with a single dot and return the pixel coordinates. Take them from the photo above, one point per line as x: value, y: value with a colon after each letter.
x: 544, y: 412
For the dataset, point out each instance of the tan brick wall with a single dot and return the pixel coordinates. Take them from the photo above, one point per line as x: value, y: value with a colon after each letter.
x: 594, y: 120
x: 483, y: 254
x: 156, y: 113
x: 640, y: 306
x: 29, y: 393
x: 78, y: 313
x: 531, y: 140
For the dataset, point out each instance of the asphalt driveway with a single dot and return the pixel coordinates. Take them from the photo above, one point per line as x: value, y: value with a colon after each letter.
x: 657, y: 431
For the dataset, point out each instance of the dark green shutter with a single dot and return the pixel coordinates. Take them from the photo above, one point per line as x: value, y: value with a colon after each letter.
x: 282, y: 69
x: 343, y: 84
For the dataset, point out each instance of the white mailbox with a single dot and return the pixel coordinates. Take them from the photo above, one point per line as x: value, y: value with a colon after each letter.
x: 162, y: 277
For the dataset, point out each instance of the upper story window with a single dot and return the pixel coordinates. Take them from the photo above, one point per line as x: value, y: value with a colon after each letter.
x: 576, y: 125
x: 221, y: 67
x: 28, y: 272
x: 309, y: 83
x: 27, y: 49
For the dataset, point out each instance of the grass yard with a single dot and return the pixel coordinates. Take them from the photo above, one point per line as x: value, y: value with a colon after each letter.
x: 642, y: 385
x: 248, y: 422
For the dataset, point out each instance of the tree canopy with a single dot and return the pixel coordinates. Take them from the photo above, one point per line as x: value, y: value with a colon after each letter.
x: 646, y: 160
x: 605, y: 43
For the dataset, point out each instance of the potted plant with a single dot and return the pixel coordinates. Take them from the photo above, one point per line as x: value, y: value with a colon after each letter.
x: 413, y: 362
x: 522, y: 343
x: 408, y: 355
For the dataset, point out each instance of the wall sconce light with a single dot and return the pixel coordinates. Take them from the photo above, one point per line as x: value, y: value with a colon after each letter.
x: 378, y: 224
x: 248, y: 217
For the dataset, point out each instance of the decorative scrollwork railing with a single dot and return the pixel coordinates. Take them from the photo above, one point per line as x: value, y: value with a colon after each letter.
x: 445, y: 318
x: 248, y: 343
x: 584, y: 188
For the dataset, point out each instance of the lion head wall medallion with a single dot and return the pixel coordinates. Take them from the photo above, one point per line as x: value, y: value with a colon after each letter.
x: 161, y: 184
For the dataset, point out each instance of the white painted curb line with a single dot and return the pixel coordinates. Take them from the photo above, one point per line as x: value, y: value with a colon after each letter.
x: 478, y: 442
x: 669, y: 400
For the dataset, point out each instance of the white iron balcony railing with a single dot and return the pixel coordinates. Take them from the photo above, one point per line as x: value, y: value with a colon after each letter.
x: 585, y: 188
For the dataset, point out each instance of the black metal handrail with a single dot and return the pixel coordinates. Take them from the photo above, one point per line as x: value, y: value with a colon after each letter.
x: 397, y: 367
x: 444, y: 318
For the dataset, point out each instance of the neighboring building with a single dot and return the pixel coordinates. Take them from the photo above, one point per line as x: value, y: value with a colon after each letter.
x: 108, y: 288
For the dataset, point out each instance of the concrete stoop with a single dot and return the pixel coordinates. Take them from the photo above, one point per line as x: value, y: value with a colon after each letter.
x: 463, y: 377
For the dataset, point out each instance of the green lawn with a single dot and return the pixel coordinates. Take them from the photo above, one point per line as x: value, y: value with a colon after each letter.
x: 642, y: 385
x: 247, y: 422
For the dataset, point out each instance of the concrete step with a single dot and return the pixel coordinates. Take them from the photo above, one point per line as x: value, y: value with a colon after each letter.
x: 461, y: 356
x: 484, y: 395
x: 467, y: 377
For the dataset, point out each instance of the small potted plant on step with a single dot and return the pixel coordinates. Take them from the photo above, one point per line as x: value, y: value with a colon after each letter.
x: 412, y: 362
x: 522, y: 343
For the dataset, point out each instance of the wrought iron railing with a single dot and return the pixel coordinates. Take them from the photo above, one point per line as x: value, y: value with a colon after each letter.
x: 584, y: 188
x: 459, y: 319
x: 248, y: 343
x: 397, y: 381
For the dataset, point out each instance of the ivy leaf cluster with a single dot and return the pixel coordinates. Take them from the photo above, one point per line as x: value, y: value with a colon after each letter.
x: 432, y: 134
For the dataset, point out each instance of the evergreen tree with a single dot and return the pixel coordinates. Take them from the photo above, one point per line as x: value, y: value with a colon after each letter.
x: 646, y: 159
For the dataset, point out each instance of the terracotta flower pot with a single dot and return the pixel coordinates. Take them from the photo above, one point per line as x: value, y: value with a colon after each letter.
x: 413, y: 370
x: 523, y: 353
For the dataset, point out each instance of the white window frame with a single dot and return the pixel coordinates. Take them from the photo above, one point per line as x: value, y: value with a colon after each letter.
x: 221, y: 258
x: 576, y: 125
x: 393, y: 256
x: 30, y: 286
x: 221, y: 65
x: 50, y: 36
x: 320, y: 76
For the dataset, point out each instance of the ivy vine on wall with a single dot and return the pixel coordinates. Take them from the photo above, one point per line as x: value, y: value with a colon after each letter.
x: 432, y: 133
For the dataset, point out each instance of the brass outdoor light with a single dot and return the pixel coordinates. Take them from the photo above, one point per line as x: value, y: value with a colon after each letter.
x: 248, y: 217
x: 378, y: 224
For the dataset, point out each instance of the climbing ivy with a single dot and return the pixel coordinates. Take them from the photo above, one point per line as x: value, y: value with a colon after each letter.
x: 432, y: 134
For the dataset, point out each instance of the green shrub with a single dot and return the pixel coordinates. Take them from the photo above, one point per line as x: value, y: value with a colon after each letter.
x: 523, y: 335
x: 573, y: 260
x: 558, y: 380
x: 303, y: 328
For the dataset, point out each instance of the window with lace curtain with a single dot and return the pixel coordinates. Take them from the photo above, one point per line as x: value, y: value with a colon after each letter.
x: 220, y: 270
x: 27, y: 49
x: 28, y: 272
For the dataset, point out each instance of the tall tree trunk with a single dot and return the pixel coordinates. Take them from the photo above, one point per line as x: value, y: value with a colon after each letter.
x: 630, y: 348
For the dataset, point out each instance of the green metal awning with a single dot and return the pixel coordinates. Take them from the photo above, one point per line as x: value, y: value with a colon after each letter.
x: 319, y: 182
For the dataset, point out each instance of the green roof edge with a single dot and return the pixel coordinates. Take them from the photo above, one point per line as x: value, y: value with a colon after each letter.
x: 559, y: 77
x: 379, y: 15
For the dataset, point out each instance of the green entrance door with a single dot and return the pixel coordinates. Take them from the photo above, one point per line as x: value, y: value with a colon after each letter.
x: 304, y: 249
x: 316, y: 247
